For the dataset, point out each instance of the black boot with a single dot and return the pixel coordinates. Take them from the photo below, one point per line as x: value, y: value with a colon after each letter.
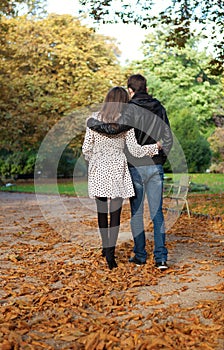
x: 104, y: 252
x: 109, y: 252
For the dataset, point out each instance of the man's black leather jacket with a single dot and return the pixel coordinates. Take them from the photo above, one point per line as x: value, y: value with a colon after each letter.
x: 149, y: 118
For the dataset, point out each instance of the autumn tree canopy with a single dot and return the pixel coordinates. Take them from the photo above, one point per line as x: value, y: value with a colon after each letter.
x: 180, y: 15
x: 11, y: 7
x: 49, y: 68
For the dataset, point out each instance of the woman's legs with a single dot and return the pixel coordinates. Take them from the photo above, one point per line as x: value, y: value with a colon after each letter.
x: 109, y: 234
x: 115, y: 216
x: 102, y: 214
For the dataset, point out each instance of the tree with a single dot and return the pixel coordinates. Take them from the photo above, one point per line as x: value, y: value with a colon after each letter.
x: 217, y: 145
x: 179, y: 77
x: 11, y: 7
x: 195, y: 146
x: 180, y: 15
x: 50, y: 67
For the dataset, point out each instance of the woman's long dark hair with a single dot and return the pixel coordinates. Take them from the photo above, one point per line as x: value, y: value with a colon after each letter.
x: 113, y: 104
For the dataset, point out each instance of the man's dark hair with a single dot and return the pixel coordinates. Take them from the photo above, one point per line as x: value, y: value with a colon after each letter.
x: 137, y: 83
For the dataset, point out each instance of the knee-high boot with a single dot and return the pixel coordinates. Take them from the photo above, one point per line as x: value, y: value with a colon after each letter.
x: 110, y: 258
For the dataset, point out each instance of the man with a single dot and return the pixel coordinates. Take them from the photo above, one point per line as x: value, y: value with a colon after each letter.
x: 148, y: 117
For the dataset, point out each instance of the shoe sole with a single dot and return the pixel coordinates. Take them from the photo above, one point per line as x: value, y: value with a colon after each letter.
x: 162, y: 267
x: 137, y: 264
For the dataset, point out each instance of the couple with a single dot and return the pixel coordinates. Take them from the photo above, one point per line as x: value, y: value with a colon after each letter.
x: 122, y: 146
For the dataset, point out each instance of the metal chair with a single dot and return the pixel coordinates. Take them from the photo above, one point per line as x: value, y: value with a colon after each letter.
x: 178, y: 191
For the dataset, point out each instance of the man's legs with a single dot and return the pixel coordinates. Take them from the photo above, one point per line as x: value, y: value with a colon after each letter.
x: 154, y: 192
x: 137, y: 220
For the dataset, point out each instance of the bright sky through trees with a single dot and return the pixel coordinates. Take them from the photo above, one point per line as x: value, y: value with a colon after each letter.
x: 129, y: 36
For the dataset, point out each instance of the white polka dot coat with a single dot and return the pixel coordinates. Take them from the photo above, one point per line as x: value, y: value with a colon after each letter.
x: 108, y: 173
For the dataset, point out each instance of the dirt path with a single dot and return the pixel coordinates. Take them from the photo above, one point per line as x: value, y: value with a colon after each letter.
x: 57, y: 293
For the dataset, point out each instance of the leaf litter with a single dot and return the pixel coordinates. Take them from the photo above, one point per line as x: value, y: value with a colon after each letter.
x: 57, y: 294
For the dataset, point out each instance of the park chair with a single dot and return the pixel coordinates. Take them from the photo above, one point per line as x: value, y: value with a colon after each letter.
x: 178, y: 191
x: 7, y: 185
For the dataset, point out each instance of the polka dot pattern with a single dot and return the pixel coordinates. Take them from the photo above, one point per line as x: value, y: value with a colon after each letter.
x: 108, y: 174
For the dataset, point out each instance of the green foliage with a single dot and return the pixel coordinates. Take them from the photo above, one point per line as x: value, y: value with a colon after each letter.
x: 20, y: 163
x: 181, y: 16
x: 180, y: 79
x: 192, y: 96
x: 69, y: 165
x: 53, y: 66
x: 217, y: 145
x: 15, y: 163
x: 195, y: 146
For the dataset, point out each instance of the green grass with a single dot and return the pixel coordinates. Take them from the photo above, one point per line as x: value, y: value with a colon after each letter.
x: 79, y: 188
x: 215, y: 182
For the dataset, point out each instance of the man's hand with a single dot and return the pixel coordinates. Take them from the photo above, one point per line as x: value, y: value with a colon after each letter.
x: 159, y: 145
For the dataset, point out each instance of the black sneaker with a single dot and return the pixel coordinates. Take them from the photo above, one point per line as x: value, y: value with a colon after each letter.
x: 161, y: 265
x: 136, y: 261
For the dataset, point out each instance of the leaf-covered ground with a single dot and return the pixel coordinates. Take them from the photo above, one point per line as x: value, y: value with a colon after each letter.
x: 207, y: 204
x: 56, y: 291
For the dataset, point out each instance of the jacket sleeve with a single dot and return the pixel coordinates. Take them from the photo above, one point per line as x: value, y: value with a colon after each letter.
x: 87, y: 147
x: 167, y: 136
x: 137, y: 150
x: 149, y: 125
x: 107, y: 128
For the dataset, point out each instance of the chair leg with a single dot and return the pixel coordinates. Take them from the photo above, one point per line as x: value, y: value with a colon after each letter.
x: 187, y: 206
x: 177, y: 203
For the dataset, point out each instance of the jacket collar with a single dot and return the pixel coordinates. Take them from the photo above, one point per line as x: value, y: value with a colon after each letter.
x: 141, y: 96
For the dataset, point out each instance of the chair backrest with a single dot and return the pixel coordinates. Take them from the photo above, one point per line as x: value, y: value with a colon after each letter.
x: 184, y: 180
x: 180, y: 188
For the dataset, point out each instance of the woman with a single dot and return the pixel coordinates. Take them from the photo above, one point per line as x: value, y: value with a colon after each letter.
x: 109, y: 180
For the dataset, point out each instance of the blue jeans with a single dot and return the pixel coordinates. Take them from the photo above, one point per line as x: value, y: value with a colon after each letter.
x: 148, y: 180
